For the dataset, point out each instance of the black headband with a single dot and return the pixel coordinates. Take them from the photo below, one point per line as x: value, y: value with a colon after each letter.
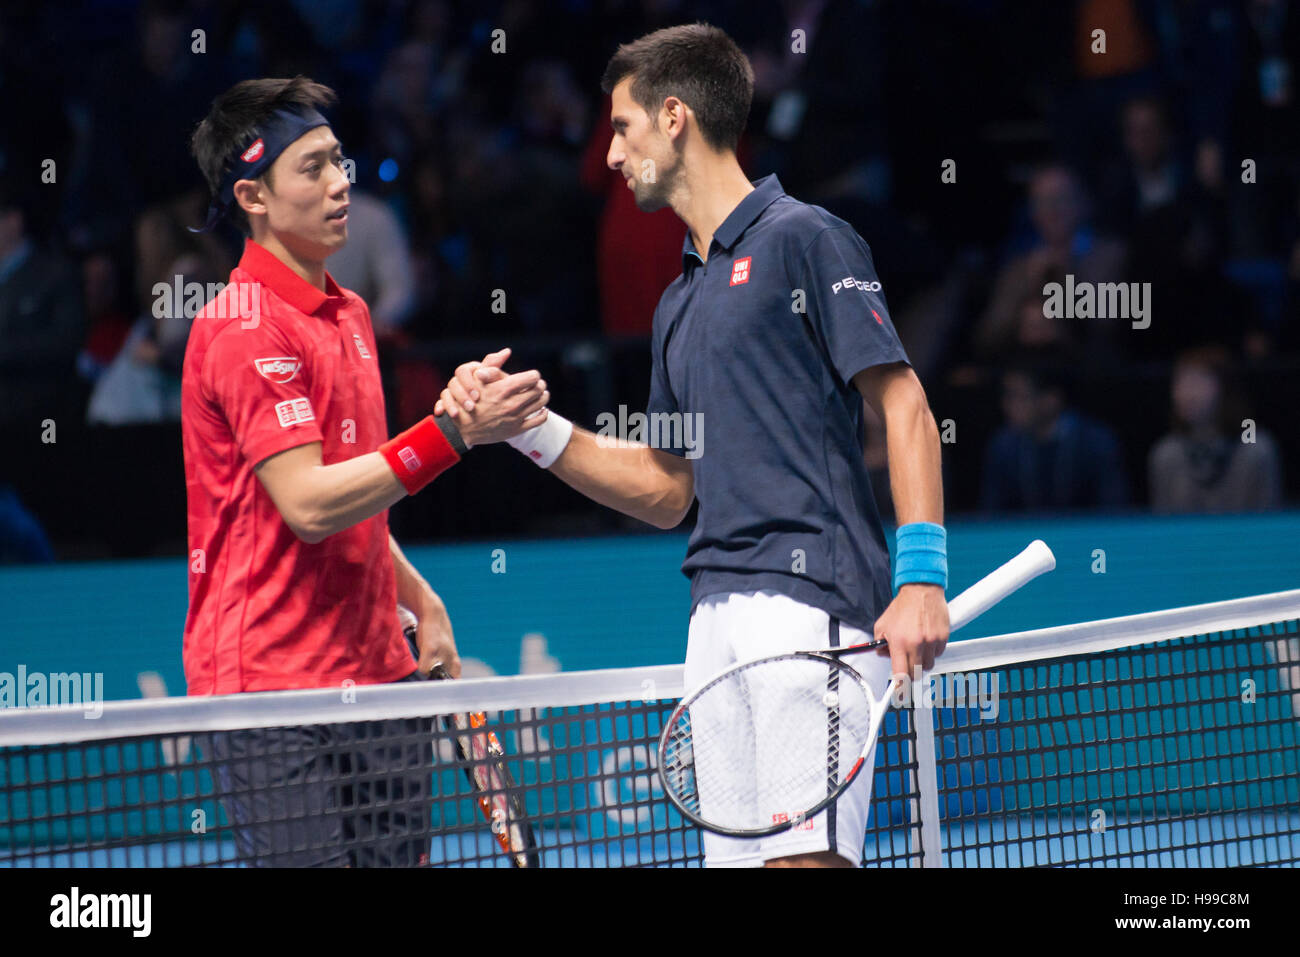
x: 274, y: 136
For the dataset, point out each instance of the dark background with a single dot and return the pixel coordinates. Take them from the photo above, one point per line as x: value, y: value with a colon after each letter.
x: 492, y: 165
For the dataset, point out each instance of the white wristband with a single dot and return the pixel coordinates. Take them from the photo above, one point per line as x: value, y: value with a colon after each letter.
x: 544, y: 443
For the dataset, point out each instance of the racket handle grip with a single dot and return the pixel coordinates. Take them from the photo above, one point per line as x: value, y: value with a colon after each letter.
x: 1036, y: 559
x: 410, y: 625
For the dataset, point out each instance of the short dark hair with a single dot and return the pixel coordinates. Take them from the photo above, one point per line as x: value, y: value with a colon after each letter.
x: 697, y: 63
x: 233, y: 123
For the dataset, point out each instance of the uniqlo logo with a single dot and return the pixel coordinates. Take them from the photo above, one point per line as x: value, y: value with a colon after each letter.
x: 409, y: 458
x: 740, y: 271
x: 292, y: 411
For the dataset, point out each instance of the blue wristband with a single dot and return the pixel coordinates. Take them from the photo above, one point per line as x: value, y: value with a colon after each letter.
x: 922, y: 555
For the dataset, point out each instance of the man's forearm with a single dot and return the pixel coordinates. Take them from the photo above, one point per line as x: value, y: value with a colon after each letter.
x: 412, y: 590
x: 626, y: 477
x: 339, y: 496
x: 915, y: 469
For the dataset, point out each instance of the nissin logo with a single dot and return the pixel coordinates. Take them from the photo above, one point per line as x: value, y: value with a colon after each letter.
x: 278, y: 368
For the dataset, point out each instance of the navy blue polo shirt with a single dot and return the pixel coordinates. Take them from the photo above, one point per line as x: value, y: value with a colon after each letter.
x: 758, y: 346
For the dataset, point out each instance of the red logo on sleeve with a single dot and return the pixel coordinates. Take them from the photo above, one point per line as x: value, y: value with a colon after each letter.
x: 879, y: 321
x: 278, y: 368
x: 740, y: 271
x: 251, y: 154
x: 292, y: 411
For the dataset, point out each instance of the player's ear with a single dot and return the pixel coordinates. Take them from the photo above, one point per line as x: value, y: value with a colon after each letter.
x: 672, y: 117
x: 248, y: 194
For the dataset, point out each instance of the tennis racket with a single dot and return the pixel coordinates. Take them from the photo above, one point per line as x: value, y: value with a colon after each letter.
x: 764, y: 745
x: 484, y: 762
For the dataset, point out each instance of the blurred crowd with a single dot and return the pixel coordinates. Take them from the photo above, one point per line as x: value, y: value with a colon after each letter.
x: 985, y: 149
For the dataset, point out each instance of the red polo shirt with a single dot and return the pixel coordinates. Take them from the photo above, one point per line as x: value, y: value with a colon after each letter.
x: 273, y: 363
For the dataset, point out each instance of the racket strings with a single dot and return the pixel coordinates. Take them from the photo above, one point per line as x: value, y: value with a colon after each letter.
x: 767, y: 743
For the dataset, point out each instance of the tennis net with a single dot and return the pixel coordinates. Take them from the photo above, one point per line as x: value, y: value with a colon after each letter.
x: 1165, y: 739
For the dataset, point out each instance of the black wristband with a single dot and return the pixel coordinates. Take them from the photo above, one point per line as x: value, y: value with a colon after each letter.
x: 451, y: 432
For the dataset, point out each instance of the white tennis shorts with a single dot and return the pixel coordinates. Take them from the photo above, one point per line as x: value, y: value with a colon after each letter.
x: 728, y: 629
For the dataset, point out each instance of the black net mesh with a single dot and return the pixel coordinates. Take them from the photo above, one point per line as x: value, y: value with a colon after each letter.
x: 570, y: 787
x: 1181, y: 753
x: 1176, y: 754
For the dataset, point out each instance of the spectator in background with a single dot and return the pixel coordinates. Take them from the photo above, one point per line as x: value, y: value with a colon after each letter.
x: 41, y: 323
x: 821, y: 108
x: 1063, y: 243
x: 1265, y: 118
x: 442, y: 256
x: 1200, y: 52
x: 1289, y: 337
x: 1262, y: 116
x: 1173, y: 215
x: 140, y: 102
x: 22, y: 540
x: 107, y: 322
x: 411, y: 97
x: 1149, y: 175
x: 637, y: 254
x: 1049, y: 456
x: 143, y: 382
x: 1037, y: 330
x: 162, y: 236
x: 376, y: 263
x: 1105, y: 77
x: 540, y: 213
x: 1206, y: 464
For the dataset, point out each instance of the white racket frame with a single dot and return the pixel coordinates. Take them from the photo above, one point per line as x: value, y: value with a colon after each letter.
x: 1035, y: 560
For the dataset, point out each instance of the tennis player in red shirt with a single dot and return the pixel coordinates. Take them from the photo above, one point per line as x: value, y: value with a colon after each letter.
x: 294, y: 578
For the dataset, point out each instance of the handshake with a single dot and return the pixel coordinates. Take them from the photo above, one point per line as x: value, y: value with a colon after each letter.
x: 489, y: 405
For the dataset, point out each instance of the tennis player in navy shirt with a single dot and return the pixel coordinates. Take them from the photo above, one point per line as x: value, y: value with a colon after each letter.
x: 763, y: 352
